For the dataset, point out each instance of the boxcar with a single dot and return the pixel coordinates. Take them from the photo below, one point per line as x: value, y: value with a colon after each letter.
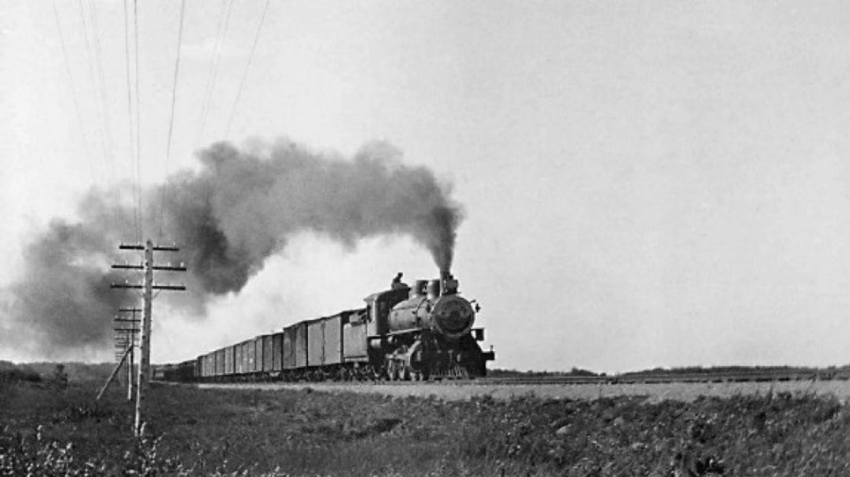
x: 316, y: 342
x: 268, y: 355
x: 229, y: 368
x: 277, y: 352
x: 295, y: 346
x: 289, y: 348
x: 333, y: 338
x: 202, y: 366
x: 258, y: 355
x: 238, y: 359
x: 251, y: 351
x: 219, y: 362
x: 245, y: 365
x: 354, y: 335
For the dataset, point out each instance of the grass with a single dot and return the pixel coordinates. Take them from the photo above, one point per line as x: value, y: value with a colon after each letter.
x: 47, y: 429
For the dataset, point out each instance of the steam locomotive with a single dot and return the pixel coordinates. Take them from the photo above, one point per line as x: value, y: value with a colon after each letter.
x: 404, y: 333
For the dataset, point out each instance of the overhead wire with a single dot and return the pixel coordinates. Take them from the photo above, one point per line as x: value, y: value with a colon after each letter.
x: 136, y: 212
x: 140, y: 206
x: 247, y: 68
x: 104, y: 98
x: 79, y: 116
x: 171, y: 121
x: 94, y: 88
x: 212, y: 74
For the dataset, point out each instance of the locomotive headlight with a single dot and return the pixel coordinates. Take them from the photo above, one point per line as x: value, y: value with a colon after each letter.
x: 452, y: 316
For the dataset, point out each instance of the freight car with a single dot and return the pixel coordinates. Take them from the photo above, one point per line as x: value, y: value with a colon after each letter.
x: 420, y: 332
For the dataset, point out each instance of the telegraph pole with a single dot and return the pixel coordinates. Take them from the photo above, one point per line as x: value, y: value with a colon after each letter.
x: 131, y: 338
x: 148, y: 267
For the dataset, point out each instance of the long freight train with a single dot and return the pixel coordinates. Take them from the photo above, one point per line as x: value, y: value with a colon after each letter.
x: 419, y: 332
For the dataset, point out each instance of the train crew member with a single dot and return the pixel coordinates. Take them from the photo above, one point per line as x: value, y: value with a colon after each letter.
x: 397, y: 283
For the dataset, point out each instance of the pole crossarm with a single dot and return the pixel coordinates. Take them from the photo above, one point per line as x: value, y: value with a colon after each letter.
x: 169, y: 287
x: 171, y: 268
x: 166, y: 248
x: 166, y: 268
x: 126, y: 320
x: 155, y: 248
x: 128, y: 266
x: 126, y: 285
x: 155, y: 287
x: 130, y: 310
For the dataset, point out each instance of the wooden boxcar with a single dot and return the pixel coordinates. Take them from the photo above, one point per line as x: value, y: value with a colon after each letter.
x: 219, y: 362
x: 268, y: 353
x: 229, y: 368
x: 277, y: 352
x: 295, y: 346
x: 245, y: 364
x: 250, y: 356
x: 354, y: 344
x: 258, y: 355
x: 238, y: 358
x: 316, y: 342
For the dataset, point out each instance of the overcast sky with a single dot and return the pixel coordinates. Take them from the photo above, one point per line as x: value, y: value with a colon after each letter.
x: 652, y: 183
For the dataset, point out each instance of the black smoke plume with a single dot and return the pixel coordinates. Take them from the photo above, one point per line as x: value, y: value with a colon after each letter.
x: 238, y: 209
x: 62, y: 300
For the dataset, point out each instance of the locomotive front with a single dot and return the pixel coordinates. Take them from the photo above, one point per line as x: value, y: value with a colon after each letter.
x: 451, y: 314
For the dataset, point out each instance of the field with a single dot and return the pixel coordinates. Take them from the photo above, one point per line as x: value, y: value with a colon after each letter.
x: 49, y: 428
x: 652, y: 392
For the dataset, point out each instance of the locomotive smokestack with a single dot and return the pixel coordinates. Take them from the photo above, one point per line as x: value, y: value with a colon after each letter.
x: 448, y: 284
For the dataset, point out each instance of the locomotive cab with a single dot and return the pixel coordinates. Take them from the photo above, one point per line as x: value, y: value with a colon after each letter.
x: 379, y: 306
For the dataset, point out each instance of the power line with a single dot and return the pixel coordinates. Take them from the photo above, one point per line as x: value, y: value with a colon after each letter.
x: 104, y: 98
x: 73, y: 89
x: 138, y: 124
x: 247, y: 67
x: 130, y: 123
x: 171, y: 121
x: 92, y: 80
x: 212, y: 75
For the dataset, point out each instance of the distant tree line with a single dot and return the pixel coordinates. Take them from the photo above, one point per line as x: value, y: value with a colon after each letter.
x: 513, y: 373
x: 10, y: 373
x: 660, y: 371
x: 41, y: 371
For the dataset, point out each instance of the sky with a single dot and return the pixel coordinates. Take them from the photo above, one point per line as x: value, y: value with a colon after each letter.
x: 644, y: 184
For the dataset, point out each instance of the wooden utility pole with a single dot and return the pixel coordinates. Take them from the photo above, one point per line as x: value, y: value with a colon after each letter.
x: 148, y: 267
x: 132, y: 332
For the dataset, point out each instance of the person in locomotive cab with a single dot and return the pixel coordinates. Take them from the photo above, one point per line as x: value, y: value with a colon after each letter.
x: 397, y: 283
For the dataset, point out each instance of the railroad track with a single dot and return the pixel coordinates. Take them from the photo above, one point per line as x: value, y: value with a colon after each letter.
x: 746, y: 376
x: 636, y: 378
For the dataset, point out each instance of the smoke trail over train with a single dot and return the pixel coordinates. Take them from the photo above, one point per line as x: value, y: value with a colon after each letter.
x: 239, y: 208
